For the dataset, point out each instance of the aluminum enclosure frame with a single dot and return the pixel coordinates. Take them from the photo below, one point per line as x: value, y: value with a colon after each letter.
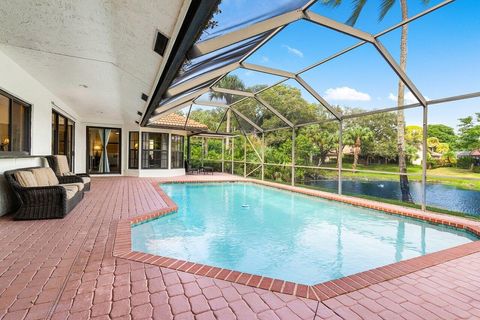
x: 276, y: 24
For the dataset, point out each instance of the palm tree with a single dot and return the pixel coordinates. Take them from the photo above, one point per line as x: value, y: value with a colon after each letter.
x: 228, y: 82
x: 385, y: 6
x: 355, y: 136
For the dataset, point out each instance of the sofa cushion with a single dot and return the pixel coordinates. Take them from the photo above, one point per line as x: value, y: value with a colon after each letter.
x: 45, y: 177
x: 77, y: 185
x: 71, y: 190
x: 26, y: 179
x: 85, y: 179
x: 62, y: 165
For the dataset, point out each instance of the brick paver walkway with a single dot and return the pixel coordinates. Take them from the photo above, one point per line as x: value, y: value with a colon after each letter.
x: 64, y: 269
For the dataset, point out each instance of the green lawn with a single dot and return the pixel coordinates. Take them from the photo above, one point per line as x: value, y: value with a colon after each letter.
x: 459, y: 177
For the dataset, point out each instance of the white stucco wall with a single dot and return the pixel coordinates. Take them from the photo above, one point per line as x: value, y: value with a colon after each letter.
x: 17, y: 82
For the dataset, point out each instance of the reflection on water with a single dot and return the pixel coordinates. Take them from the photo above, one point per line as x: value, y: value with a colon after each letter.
x: 438, y: 195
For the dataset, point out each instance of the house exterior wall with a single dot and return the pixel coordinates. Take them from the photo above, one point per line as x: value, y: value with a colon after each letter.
x: 17, y: 82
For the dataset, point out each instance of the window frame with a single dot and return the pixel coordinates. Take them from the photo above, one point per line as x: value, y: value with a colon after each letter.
x: 136, y: 156
x: 120, y: 150
x: 178, y: 154
x: 144, y: 150
x: 27, y: 130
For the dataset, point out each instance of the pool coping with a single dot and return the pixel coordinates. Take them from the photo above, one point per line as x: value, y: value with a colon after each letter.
x: 321, y: 291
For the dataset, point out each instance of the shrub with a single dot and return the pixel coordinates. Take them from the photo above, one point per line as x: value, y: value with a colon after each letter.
x: 465, y: 162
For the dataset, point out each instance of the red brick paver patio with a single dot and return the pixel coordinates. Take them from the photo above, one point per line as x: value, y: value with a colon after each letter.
x: 65, y: 269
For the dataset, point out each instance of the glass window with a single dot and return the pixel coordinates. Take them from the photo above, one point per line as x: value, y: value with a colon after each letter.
x: 133, y: 142
x: 177, y: 151
x: 4, y: 123
x: 154, y: 150
x: 14, y: 124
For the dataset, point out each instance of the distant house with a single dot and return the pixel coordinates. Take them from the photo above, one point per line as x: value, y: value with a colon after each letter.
x: 475, y: 154
x: 469, y: 154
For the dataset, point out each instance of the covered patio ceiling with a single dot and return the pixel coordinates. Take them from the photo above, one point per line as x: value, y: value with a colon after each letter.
x: 96, y: 55
x: 225, y: 50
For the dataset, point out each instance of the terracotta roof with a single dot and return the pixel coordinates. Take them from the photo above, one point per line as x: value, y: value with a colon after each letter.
x: 174, y: 120
x: 475, y: 153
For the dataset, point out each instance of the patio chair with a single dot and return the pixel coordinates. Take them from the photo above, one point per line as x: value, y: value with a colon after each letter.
x: 59, y: 164
x: 41, y: 195
x: 190, y: 169
x: 206, y: 170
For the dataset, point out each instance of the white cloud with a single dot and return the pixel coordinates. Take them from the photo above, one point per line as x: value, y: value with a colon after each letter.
x: 294, y: 51
x: 346, y: 94
x: 265, y: 59
x: 409, y: 98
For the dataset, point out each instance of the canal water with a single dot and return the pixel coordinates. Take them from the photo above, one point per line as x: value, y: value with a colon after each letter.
x: 438, y: 195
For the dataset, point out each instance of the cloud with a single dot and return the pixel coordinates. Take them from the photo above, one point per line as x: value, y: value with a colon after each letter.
x: 346, y: 94
x: 265, y: 59
x: 294, y: 51
x: 409, y: 98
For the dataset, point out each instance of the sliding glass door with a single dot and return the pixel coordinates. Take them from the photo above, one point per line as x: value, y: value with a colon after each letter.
x: 104, y: 150
x: 63, y: 137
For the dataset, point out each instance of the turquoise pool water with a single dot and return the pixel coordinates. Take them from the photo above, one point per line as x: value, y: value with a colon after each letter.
x: 285, y: 235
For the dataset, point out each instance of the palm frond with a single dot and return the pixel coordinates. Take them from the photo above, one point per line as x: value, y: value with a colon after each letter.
x: 332, y: 3
x: 357, y: 9
x: 385, y: 6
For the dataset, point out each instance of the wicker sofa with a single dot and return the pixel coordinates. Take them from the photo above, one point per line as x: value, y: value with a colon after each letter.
x: 41, y: 194
x: 59, y: 164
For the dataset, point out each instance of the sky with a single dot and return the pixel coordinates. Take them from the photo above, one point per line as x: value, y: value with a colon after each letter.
x: 443, y: 54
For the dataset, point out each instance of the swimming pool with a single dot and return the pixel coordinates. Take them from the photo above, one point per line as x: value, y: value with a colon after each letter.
x: 280, y: 234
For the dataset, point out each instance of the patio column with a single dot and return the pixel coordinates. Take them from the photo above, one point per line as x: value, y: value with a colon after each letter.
x: 203, y: 151
x: 263, y: 156
x: 223, y: 154
x: 189, y: 150
x: 293, y: 156
x: 233, y: 147
x: 245, y: 156
x: 340, y: 155
x: 424, y: 156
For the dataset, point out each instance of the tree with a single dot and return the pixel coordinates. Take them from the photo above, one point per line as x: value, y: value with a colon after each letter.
x: 469, y: 133
x: 445, y: 134
x: 313, y: 143
x: 432, y: 143
x: 414, y: 135
x: 385, y: 6
x: 382, y: 145
x: 354, y: 136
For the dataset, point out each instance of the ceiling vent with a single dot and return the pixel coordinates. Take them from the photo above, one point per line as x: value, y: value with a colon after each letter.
x: 144, y: 97
x: 160, y: 44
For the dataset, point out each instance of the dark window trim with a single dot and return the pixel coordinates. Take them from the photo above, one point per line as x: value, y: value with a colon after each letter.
x: 143, y: 149
x: 28, y: 125
x: 130, y: 150
x: 119, y: 150
x: 182, y: 151
x: 58, y: 114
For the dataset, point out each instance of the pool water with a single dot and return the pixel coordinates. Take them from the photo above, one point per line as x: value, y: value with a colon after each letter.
x: 281, y: 234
